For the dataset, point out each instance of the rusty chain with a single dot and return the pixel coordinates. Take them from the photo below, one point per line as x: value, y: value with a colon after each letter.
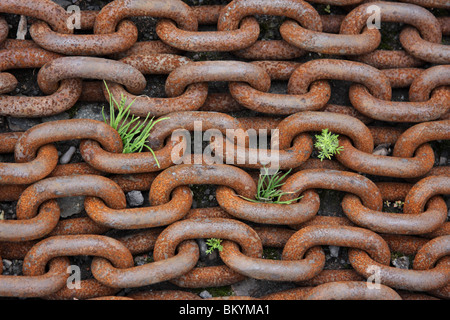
x: 72, y: 67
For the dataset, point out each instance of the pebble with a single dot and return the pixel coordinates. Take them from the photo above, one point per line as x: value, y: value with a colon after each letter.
x: 257, y: 288
x: 205, y: 294
x: 382, y: 149
x: 21, y: 124
x: 246, y: 287
x: 401, y: 262
x: 334, y: 251
x: 135, y: 198
x: 68, y: 155
x: 9, y: 210
x: 70, y: 206
x: 6, y: 264
x: 140, y: 260
x: 91, y: 111
x: 16, y: 268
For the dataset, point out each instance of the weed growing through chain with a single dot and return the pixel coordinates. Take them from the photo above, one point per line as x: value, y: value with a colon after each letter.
x: 328, y: 144
x: 268, y: 191
x: 213, y: 244
x: 134, y: 138
x: 396, y: 206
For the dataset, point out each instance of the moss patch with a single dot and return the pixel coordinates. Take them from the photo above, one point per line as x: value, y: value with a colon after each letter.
x: 224, y: 291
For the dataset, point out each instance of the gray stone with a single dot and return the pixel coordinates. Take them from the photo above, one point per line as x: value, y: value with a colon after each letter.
x: 68, y: 155
x: 57, y: 117
x: 334, y: 251
x: 401, y: 262
x: 8, y: 210
x: 208, y: 258
x: 202, y: 247
x: 70, y: 206
x: 21, y: 124
x: 63, y: 3
x: 6, y: 264
x: 256, y: 288
x: 16, y: 268
x: 91, y: 111
x: 205, y: 294
x: 135, y: 198
x: 140, y: 260
x: 246, y: 288
x: 382, y: 149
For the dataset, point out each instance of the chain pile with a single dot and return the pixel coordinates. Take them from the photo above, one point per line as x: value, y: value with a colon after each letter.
x: 70, y: 67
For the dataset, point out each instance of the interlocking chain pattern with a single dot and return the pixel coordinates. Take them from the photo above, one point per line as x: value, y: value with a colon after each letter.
x: 72, y: 67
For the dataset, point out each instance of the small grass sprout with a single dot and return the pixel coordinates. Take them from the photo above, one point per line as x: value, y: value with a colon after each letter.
x: 268, y: 188
x: 396, y: 206
x: 327, y: 144
x: 134, y: 137
x: 213, y: 244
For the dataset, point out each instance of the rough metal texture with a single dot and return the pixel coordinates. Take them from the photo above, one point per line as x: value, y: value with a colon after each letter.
x: 282, y: 66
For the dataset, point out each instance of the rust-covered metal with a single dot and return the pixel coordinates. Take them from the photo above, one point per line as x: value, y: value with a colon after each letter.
x: 186, y: 174
x: 351, y: 290
x: 138, y: 218
x: 213, y: 227
x: 192, y: 99
x: 223, y: 79
x: 197, y: 72
x: 45, y: 133
x: 89, y: 44
x: 67, y: 186
x: 45, y: 10
x: 413, y: 15
x: 91, y: 68
x: 119, y: 277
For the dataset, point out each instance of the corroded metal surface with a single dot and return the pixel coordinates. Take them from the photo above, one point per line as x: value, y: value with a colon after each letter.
x: 217, y: 85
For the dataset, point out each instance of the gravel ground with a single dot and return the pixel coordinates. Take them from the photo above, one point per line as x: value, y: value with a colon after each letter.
x: 204, y: 195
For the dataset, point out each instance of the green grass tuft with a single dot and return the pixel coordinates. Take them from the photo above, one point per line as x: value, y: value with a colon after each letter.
x: 268, y: 191
x: 134, y: 137
x: 213, y: 244
x: 327, y: 144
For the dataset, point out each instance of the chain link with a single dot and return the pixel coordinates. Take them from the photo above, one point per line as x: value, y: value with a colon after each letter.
x: 313, y: 52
